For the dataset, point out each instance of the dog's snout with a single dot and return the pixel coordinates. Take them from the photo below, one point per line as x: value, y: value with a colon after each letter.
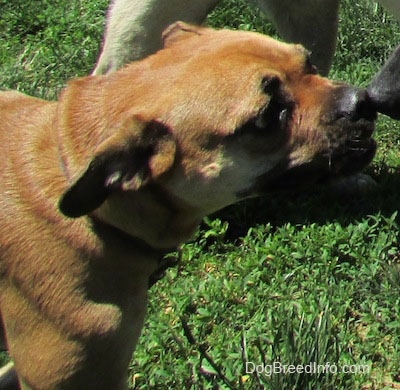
x: 354, y: 104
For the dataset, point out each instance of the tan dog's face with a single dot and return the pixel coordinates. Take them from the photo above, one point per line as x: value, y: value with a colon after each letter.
x: 223, y: 116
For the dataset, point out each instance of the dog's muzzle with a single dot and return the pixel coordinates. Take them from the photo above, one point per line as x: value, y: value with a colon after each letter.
x: 345, y: 145
x: 352, y: 146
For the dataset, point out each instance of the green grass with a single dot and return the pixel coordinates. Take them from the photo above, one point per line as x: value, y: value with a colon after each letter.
x: 294, y: 278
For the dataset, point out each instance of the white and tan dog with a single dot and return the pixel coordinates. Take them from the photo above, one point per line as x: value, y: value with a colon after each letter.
x: 97, y: 187
x: 134, y: 26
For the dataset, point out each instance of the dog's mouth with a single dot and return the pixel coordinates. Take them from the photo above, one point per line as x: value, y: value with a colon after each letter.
x: 352, y: 155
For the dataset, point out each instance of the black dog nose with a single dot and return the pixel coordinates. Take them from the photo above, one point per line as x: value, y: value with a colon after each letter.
x: 355, y: 104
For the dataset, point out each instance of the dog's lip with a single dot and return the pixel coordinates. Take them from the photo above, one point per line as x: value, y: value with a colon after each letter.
x: 355, y: 145
x: 357, y: 149
x: 353, y: 157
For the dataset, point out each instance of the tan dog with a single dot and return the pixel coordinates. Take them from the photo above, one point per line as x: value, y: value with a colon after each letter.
x: 134, y: 26
x: 134, y: 160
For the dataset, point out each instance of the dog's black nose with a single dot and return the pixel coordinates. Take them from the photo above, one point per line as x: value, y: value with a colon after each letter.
x: 355, y: 104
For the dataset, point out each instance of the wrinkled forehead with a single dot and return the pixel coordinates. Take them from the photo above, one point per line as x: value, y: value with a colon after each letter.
x: 216, y: 49
x: 253, y: 44
x: 213, y: 79
x: 222, y: 61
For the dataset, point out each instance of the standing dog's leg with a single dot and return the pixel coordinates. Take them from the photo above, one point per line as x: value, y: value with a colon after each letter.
x: 134, y: 28
x: 312, y: 23
x: 384, y: 90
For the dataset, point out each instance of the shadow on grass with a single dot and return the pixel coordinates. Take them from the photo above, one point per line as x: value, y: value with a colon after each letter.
x: 316, y: 205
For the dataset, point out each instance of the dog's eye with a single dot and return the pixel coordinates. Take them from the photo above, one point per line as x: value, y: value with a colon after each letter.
x: 310, y: 67
x: 270, y: 85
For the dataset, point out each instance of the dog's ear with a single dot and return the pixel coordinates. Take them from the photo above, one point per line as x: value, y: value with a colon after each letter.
x: 128, y: 160
x: 179, y: 31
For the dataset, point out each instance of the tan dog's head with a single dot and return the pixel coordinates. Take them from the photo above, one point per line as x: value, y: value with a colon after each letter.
x: 214, y: 117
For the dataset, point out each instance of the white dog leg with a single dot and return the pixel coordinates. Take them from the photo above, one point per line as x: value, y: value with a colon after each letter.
x: 313, y: 23
x: 134, y: 28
